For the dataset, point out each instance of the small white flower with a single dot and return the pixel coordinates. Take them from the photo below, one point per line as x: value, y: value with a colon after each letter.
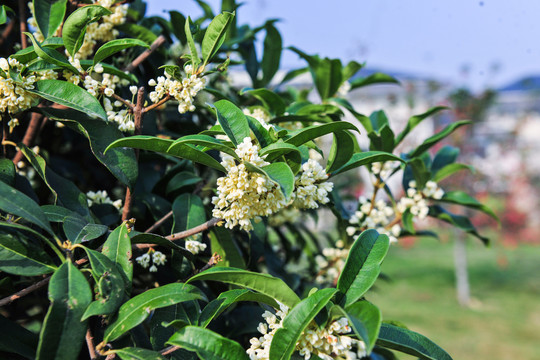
x: 98, y: 68
x: 153, y: 268
x: 109, y: 92
x: 133, y: 89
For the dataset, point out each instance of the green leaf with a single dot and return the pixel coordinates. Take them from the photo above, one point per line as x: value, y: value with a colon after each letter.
x: 377, y: 78
x: 281, y: 174
x: 112, y: 47
x: 215, y: 35
x: 7, y: 172
x: 341, y: 151
x: 117, y: 248
x: 445, y: 156
x: 362, y: 266
x: 16, y: 203
x: 277, y: 149
x: 365, y: 158
x: 62, y: 334
x: 20, y: 257
x: 417, y: 119
x: 224, y: 245
x: 145, y: 238
x: 207, y: 141
x: 232, y: 121
x: 131, y: 353
x: 459, y: 221
x: 263, y: 283
x: 195, y: 60
x: 432, y: 140
x: 272, y: 48
x: 297, y: 320
x: 137, y: 309
x: 110, y: 285
x: 177, y: 23
x: 450, y: 169
x: 188, y: 212
x: 306, y: 134
x: 410, y: 342
x: 351, y: 69
x: 16, y: 339
x: 72, y: 96
x: 420, y: 172
x: 271, y: 101
x: 51, y: 55
x: 365, y: 320
x: 137, y: 31
x: 75, y: 25
x: 121, y: 162
x: 165, y: 320
x: 407, y: 220
x: 3, y: 14
x: 464, y: 199
x: 63, y: 190
x: 228, y: 298
x: 152, y: 143
x: 26, y: 56
x: 181, y: 180
x: 49, y: 14
x: 208, y: 344
x: 56, y: 213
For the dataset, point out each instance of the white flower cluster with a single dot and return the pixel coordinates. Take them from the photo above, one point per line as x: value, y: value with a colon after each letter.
x: 101, y: 197
x: 261, y: 116
x: 183, y: 91
x: 382, y: 169
x: 158, y: 258
x: 376, y: 216
x: 344, y: 89
x: 328, y: 343
x: 195, y: 247
x: 311, y: 187
x: 331, y: 263
x: 119, y: 115
x: 416, y: 199
x: 243, y: 195
x: 99, y: 31
x: 14, y: 95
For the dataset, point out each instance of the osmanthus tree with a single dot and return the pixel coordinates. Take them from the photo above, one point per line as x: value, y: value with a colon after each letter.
x: 151, y: 210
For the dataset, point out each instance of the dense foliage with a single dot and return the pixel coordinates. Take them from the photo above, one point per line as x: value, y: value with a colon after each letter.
x: 172, y: 215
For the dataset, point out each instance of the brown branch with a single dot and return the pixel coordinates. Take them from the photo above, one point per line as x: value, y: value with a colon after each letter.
x: 158, y: 104
x: 7, y: 32
x: 197, y: 229
x: 125, y: 102
x: 159, y: 222
x: 90, y: 344
x: 22, y: 23
x: 25, y: 291
x: 30, y: 135
x: 169, y: 350
x: 138, y: 114
x: 139, y: 59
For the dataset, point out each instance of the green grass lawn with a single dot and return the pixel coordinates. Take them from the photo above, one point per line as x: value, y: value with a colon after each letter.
x: 504, y: 321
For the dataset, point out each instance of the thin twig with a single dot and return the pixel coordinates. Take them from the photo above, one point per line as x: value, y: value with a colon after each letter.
x: 25, y: 291
x: 197, y: 229
x: 159, y: 222
x: 139, y: 59
x: 22, y: 23
x: 125, y: 102
x: 7, y: 32
x: 158, y: 104
x: 137, y: 114
x: 30, y: 134
x: 90, y: 344
x: 169, y: 350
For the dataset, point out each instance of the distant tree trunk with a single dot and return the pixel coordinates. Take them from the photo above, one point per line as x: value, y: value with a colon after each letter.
x: 462, y: 276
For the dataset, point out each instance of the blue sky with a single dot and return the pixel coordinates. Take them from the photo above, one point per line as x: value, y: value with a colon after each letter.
x: 426, y: 37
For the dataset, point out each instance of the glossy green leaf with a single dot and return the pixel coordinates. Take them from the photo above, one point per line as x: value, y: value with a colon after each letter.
x: 362, y: 266
x: 417, y: 119
x: 208, y: 344
x: 49, y: 14
x: 365, y: 319
x: 188, y: 212
x: 261, y: 134
x: 117, y: 248
x: 28, y: 56
x: 215, y: 35
x: 227, y: 299
x: 420, y: 172
x: 3, y: 15
x: 410, y: 342
x: 152, y: 143
x: 56, y: 213
x: 297, y: 320
x: 182, y: 180
x: 464, y: 199
x: 110, y: 285
x: 306, y: 134
x: 145, y: 238
x: 177, y: 24
x: 50, y: 55
x: 459, y: 221
x: 75, y: 25
x: 450, y: 169
x: 292, y: 74
x: 14, y: 202
x: 223, y: 244
x: 263, y: 283
x: 131, y: 353
x: 62, y: 333
x: 165, y: 321
x: 277, y: 149
x: 272, y: 48
x: 376, y: 78
x: 281, y: 174
x: 432, y: 140
x: 7, y: 172
x: 232, y: 121
x: 72, y: 96
x: 271, y: 101
x: 351, y: 69
x: 21, y: 257
x: 137, y: 309
x: 365, y: 158
x: 195, y: 60
x: 407, y: 220
x: 341, y: 151
x: 206, y: 141
x: 138, y: 32
x: 112, y: 47
x: 16, y: 339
